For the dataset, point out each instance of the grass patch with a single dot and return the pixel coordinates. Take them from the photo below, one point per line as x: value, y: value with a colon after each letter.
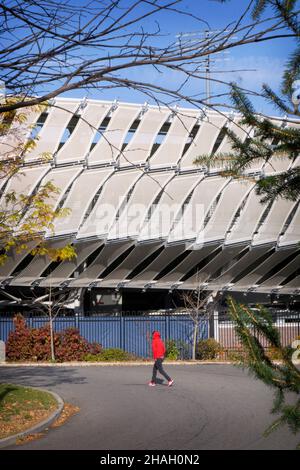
x: 22, y: 407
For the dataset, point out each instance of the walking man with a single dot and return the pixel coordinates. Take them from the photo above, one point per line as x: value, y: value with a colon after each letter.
x: 158, y: 350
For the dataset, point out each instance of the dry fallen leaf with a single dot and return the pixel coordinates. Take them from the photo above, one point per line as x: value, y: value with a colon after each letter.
x: 29, y: 438
x: 68, y: 411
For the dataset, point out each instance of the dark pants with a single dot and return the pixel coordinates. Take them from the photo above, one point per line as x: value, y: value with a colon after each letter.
x: 158, y: 367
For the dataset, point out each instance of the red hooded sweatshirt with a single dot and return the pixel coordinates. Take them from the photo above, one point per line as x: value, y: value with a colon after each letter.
x: 158, y: 347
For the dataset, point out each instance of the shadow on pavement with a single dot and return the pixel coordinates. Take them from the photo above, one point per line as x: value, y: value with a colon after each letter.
x: 40, y: 376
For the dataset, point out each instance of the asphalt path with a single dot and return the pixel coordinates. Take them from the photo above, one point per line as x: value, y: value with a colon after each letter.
x: 209, y: 407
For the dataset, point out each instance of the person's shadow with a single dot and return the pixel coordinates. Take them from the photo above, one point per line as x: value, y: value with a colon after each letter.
x: 160, y: 382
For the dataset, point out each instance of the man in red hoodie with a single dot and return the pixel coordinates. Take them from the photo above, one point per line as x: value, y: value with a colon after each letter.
x: 159, y: 350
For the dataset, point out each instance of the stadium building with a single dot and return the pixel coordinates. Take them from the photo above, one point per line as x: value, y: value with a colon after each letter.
x: 145, y: 221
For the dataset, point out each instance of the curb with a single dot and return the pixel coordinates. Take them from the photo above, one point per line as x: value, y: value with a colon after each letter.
x: 11, y: 440
x: 108, y: 364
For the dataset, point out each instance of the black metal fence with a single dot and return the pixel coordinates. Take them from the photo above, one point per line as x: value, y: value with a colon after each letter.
x: 130, y: 333
x: 133, y: 332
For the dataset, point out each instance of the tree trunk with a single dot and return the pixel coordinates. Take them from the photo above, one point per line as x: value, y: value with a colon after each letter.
x: 52, y: 340
x: 195, y: 340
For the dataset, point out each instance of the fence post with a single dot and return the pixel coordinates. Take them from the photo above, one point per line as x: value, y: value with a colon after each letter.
x: 167, y: 326
x: 122, y: 332
x: 77, y: 322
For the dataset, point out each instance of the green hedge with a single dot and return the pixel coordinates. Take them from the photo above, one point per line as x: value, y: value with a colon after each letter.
x: 110, y: 354
x: 208, y: 349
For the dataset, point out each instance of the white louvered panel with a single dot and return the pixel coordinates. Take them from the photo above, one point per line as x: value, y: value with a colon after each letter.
x: 104, y: 213
x: 204, y: 140
x: 292, y: 234
x: 140, y: 146
x: 191, y: 260
x: 109, y: 146
x: 245, y: 227
x: 64, y: 270
x: 280, y: 276
x: 12, y: 141
x: 87, y: 184
x: 170, y: 150
x: 61, y: 178
x: 228, y: 204
x: 36, y: 267
x: 24, y: 182
x: 170, y: 204
x: 160, y: 262
x: 146, y: 189
x: 193, y: 217
x: 107, y: 256
x: 51, y: 133
x: 78, y: 144
x: 274, y: 222
x: 136, y: 257
x: 251, y: 278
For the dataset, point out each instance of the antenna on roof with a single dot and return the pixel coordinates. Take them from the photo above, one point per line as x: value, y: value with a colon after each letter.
x: 203, y: 39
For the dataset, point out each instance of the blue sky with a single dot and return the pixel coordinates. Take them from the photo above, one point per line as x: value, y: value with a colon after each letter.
x: 265, y: 60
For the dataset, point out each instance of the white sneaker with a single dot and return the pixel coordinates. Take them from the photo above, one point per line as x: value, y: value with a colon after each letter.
x: 170, y: 383
x: 151, y: 384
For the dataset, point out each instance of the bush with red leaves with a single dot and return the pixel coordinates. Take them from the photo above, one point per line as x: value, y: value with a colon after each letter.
x: 33, y: 344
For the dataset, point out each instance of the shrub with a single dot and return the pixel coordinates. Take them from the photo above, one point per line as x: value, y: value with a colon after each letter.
x: 33, y: 344
x: 20, y: 339
x: 207, y: 349
x: 234, y: 355
x: 110, y: 354
x: 177, y: 349
x: 71, y: 346
x: 28, y: 343
x: 95, y: 348
x: 172, y: 351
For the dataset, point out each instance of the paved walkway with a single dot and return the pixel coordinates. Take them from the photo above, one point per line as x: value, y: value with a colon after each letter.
x: 210, y: 407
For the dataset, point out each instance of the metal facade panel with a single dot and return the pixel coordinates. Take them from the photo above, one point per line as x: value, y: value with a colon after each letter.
x: 291, y: 286
x: 281, y: 275
x: 34, y: 270
x: 240, y: 131
x: 274, y: 222
x: 200, y: 203
x: 192, y: 259
x: 65, y: 269
x: 138, y: 255
x: 109, y: 146
x: 228, y: 204
x: 292, y: 234
x: 170, y: 150
x: 138, y: 149
x: 205, y: 273
x: 53, y: 129
x: 83, y: 190
x: 169, y: 206
x: 276, y: 164
x: 24, y: 182
x: 204, y: 140
x: 246, y: 224
x: 13, y: 260
x: 61, y: 178
x: 145, y: 191
x: 18, y: 132
x: 77, y: 146
x: 103, y: 215
x: 107, y: 255
x: 238, y: 267
x: 250, y: 279
x: 162, y: 260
